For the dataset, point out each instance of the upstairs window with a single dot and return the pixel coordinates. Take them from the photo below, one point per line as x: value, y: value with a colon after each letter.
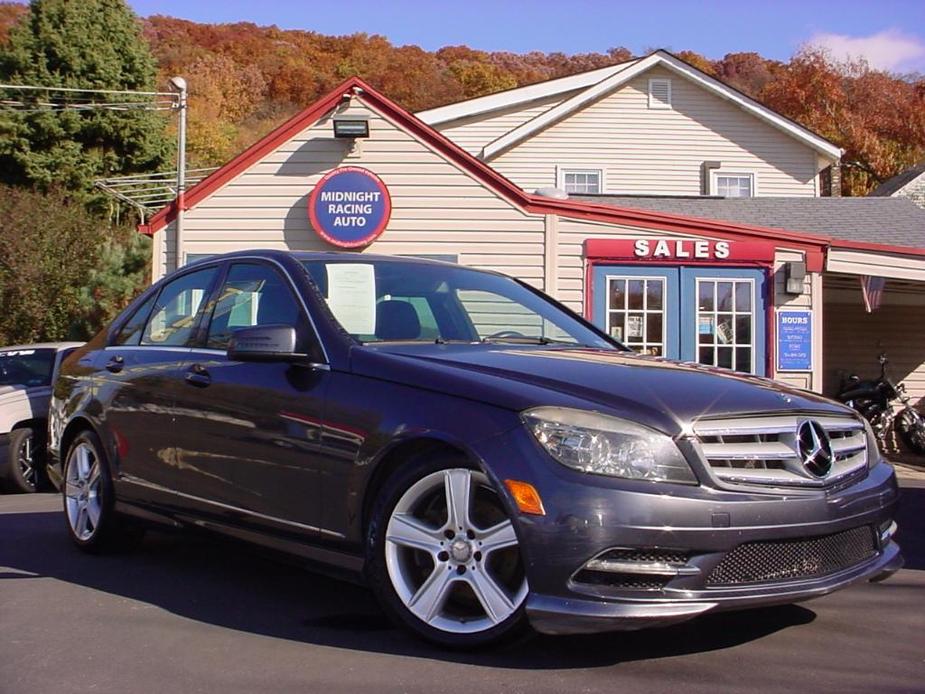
x: 733, y: 185
x: 581, y: 181
x: 660, y: 93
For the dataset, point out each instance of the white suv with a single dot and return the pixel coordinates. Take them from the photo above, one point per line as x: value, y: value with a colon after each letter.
x: 26, y: 375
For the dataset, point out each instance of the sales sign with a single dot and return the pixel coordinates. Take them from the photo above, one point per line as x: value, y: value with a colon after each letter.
x: 349, y: 207
x: 794, y: 340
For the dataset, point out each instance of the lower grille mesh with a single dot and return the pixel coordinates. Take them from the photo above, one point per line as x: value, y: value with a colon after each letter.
x: 784, y: 560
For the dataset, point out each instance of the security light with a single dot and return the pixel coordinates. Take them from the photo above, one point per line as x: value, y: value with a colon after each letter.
x: 351, y: 127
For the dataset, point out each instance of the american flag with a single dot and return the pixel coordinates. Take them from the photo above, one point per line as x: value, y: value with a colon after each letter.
x: 872, y: 289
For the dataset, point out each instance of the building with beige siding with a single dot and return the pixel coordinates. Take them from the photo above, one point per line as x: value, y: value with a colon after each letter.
x: 731, y: 293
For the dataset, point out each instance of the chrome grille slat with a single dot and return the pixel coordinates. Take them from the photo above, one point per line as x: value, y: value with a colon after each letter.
x: 764, y: 450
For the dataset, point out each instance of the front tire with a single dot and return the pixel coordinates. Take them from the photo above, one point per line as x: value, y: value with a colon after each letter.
x: 443, y: 557
x: 23, y: 473
x: 89, y: 500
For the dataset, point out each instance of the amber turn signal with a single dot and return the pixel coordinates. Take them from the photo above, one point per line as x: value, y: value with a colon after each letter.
x: 526, y: 497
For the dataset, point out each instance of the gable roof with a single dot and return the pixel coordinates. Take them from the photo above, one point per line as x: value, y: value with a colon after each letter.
x: 479, y: 170
x: 889, y: 221
x: 664, y: 59
x: 894, y: 185
x: 519, y: 95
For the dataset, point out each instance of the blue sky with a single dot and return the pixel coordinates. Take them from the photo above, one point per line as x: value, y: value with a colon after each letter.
x: 890, y: 33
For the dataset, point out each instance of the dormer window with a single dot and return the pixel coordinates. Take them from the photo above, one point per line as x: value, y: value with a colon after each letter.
x: 660, y: 93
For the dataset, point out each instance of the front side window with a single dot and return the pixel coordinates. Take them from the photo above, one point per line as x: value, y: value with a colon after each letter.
x: 387, y: 301
x: 734, y: 185
x: 178, y: 304
x: 131, y: 330
x: 581, y: 181
x: 253, y: 294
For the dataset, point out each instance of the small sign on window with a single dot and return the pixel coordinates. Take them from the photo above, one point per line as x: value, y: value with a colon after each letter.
x: 352, y: 296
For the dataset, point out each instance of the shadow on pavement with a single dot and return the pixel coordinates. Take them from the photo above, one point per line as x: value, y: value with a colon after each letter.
x: 235, y: 587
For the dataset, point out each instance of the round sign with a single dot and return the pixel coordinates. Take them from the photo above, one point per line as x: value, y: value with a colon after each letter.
x: 349, y: 207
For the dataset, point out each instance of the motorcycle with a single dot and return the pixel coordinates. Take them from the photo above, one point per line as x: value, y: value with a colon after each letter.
x: 885, y: 404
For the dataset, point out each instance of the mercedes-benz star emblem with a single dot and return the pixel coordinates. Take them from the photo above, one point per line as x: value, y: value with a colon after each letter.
x: 815, y: 448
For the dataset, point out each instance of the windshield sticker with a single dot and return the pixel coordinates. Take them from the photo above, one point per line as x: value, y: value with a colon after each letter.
x: 17, y: 353
x: 352, y: 296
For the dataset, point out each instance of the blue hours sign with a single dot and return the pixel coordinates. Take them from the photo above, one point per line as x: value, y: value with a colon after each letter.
x: 794, y: 340
x: 349, y: 207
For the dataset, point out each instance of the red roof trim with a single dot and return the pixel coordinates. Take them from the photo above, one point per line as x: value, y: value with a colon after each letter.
x: 812, y: 243
x: 876, y: 247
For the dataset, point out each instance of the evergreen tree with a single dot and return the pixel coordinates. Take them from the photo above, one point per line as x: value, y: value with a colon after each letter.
x: 86, y: 44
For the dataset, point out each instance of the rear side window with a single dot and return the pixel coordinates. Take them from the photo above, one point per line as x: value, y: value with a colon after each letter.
x: 253, y: 294
x: 174, y: 316
x: 130, y: 333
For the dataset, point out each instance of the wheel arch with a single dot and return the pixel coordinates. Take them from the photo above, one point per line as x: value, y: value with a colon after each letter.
x: 71, y: 431
x: 401, y: 451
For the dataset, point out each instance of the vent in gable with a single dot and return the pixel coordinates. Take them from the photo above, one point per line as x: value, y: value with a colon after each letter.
x: 659, y: 93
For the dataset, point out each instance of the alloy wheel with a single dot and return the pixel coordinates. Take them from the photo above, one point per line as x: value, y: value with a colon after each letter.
x: 26, y: 462
x: 452, y: 554
x: 83, y: 499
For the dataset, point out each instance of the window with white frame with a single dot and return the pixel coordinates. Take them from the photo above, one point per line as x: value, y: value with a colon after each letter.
x: 582, y: 181
x: 733, y: 185
x: 726, y: 323
x: 636, y: 313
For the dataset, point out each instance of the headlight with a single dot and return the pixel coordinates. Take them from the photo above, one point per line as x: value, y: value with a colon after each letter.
x: 873, y: 445
x: 603, y: 445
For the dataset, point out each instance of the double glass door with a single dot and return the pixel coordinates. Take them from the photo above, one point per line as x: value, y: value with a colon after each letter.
x: 713, y: 316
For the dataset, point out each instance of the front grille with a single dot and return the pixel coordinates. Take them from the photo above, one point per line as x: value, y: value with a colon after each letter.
x: 769, y: 561
x: 764, y: 450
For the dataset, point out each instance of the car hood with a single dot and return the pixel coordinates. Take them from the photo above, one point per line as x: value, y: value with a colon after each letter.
x: 659, y: 392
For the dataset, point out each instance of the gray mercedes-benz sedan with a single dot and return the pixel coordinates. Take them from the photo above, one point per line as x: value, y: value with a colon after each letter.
x: 486, y: 459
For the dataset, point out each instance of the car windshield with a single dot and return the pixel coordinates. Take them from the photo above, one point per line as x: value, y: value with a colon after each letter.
x: 389, y: 301
x: 26, y: 367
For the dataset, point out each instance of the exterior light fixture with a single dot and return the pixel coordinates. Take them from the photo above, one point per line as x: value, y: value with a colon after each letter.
x: 352, y: 128
x: 794, y: 275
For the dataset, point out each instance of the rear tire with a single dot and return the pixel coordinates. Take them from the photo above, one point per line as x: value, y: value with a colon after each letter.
x: 89, y: 500
x: 443, y: 558
x: 24, y: 472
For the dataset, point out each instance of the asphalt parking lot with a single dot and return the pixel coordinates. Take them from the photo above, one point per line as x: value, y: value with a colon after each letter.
x: 185, y: 614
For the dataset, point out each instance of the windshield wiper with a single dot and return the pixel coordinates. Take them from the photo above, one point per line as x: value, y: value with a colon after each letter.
x: 524, y: 340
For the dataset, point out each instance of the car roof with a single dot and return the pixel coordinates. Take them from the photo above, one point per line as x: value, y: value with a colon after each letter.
x: 58, y: 346
x: 301, y: 256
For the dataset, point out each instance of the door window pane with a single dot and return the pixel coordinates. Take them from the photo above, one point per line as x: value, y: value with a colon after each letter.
x: 635, y: 313
x: 253, y: 294
x: 725, y: 323
x: 130, y: 334
x: 177, y: 309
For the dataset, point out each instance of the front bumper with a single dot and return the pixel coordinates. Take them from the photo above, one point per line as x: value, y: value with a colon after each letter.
x: 588, y: 515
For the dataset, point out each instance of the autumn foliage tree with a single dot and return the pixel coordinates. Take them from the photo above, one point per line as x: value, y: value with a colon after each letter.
x: 878, y: 119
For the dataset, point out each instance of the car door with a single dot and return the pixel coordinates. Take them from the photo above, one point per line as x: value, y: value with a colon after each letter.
x: 139, y: 376
x: 248, y: 432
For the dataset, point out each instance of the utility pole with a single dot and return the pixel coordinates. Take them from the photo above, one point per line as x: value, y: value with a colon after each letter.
x: 179, y: 84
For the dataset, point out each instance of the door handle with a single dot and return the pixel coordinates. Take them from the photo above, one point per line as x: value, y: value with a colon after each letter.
x: 198, y: 375
x: 115, y: 364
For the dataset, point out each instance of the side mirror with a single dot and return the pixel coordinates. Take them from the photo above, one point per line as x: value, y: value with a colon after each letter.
x: 264, y: 343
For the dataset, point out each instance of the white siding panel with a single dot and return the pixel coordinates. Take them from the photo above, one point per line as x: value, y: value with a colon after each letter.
x: 475, y: 132
x: 660, y: 150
